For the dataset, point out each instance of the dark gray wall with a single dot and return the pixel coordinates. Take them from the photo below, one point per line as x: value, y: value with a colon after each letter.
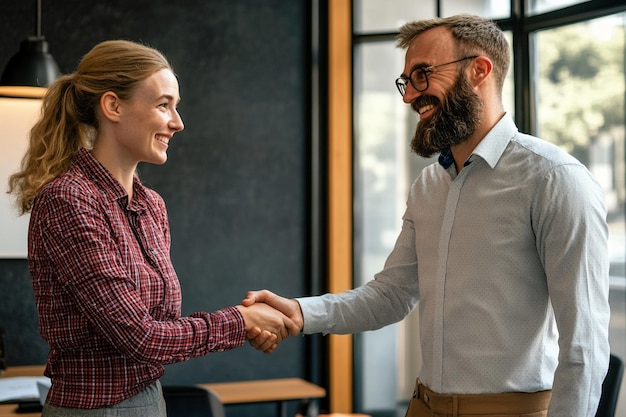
x: 236, y: 182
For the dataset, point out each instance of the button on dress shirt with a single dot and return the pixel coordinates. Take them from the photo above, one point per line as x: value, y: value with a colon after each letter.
x: 107, y: 295
x: 508, y: 260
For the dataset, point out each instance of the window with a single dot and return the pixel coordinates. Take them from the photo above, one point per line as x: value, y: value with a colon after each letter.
x: 580, y: 99
x: 382, y: 124
x: 377, y: 16
x: 542, y: 6
x: 493, y: 9
x: 574, y: 78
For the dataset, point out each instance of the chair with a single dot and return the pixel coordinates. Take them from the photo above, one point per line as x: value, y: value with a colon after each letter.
x: 310, y: 408
x: 192, y: 401
x: 610, y: 388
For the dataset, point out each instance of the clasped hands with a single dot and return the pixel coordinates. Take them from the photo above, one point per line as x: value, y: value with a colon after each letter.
x: 270, y: 319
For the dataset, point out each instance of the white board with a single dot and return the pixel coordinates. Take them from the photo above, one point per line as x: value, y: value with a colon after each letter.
x: 17, y: 117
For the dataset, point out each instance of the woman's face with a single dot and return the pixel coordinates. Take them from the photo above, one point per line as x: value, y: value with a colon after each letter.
x: 149, y: 119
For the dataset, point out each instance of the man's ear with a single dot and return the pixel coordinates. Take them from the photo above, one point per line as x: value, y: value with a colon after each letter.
x: 480, y: 69
x: 110, y: 106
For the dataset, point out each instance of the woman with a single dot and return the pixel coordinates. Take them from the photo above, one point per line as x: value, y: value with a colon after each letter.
x: 107, y: 295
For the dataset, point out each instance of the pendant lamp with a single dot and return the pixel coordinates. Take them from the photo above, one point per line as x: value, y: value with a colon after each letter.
x: 32, y: 69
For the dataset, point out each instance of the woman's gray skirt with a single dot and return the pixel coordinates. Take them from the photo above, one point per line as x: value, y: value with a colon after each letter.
x: 148, y: 403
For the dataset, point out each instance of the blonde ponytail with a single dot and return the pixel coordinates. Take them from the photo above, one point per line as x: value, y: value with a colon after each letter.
x: 69, y: 112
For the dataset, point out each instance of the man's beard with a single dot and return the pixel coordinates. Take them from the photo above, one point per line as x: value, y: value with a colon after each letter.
x: 453, y: 122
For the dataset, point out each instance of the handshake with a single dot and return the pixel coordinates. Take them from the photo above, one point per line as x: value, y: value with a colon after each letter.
x: 270, y: 319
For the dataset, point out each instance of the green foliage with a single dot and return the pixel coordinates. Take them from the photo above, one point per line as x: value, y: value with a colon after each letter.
x: 581, y: 89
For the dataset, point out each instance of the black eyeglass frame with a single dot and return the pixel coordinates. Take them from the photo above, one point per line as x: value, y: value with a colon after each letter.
x: 402, y: 81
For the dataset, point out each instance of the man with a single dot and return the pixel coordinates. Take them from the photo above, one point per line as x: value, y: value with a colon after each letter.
x: 503, y: 242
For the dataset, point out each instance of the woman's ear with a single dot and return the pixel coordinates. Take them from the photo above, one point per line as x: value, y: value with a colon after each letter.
x: 110, y: 106
x: 481, y: 69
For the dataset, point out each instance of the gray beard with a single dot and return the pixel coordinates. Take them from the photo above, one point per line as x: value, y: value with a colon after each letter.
x: 453, y: 122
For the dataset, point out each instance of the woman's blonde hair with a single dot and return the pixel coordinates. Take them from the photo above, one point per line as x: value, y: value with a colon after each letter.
x: 69, y: 119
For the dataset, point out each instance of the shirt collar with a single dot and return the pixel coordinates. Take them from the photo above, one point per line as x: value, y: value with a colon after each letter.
x: 104, y: 180
x: 491, y: 147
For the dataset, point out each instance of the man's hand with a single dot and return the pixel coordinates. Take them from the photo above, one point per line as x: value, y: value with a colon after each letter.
x: 266, y: 326
x: 289, y: 307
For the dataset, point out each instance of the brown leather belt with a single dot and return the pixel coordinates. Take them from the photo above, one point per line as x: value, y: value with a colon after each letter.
x: 509, y: 402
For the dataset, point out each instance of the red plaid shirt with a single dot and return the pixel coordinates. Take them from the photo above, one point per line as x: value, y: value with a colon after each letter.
x: 108, y: 298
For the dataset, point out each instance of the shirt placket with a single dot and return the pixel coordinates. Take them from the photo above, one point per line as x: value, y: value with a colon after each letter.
x: 146, y: 249
x: 452, y: 200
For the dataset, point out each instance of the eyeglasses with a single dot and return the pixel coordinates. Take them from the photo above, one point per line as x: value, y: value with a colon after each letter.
x: 419, y: 76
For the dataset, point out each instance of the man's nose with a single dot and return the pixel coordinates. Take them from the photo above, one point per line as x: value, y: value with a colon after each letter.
x: 410, y: 94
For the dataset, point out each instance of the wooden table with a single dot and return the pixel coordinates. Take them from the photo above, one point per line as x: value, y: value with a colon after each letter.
x: 238, y: 392
x: 8, y: 410
x: 266, y: 390
x: 30, y: 370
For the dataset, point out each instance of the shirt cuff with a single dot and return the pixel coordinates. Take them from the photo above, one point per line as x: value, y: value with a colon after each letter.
x: 226, y: 329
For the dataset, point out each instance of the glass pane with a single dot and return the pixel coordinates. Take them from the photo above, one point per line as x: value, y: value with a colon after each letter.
x: 492, y: 9
x: 580, y: 107
x: 542, y: 6
x: 388, y: 16
x: 380, y: 144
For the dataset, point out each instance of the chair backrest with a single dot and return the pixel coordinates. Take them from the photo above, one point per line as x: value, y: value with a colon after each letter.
x: 192, y: 401
x: 610, y: 388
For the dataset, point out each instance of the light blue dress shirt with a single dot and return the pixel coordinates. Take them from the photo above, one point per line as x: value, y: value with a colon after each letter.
x: 509, y: 262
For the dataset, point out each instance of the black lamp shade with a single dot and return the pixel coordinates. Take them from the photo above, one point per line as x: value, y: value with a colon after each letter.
x: 30, y: 71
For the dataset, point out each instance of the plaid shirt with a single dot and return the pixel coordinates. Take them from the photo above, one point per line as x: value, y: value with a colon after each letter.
x: 107, y: 295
